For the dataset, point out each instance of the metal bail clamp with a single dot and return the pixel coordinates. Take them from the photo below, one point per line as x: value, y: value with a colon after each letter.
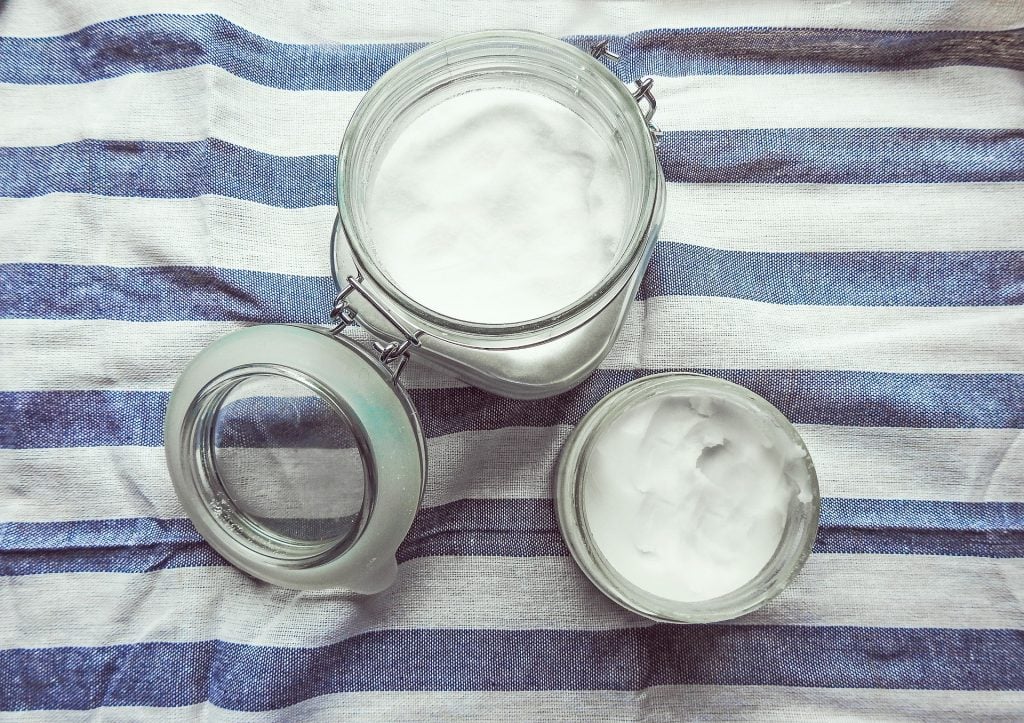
x: 601, y: 51
x: 644, y: 90
x: 394, y: 351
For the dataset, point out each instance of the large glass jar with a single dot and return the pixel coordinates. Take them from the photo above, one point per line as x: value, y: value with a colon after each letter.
x: 534, y: 357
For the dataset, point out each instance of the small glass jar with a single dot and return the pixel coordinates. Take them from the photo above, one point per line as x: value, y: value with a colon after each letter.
x: 295, y: 452
x: 571, y: 488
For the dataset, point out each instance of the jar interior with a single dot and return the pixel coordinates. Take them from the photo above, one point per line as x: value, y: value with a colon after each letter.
x: 517, y: 62
x: 282, y: 464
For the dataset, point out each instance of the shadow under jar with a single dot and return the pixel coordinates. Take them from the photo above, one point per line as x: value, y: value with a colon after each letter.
x: 297, y: 453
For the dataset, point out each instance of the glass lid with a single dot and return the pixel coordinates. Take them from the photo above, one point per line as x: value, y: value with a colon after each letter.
x: 297, y: 457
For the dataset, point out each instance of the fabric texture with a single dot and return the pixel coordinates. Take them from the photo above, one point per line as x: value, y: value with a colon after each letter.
x: 843, y: 236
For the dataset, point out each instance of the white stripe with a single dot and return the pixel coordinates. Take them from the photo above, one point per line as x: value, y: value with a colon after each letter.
x: 103, y: 354
x: 953, y: 97
x: 310, y: 21
x: 656, y: 703
x: 91, y: 609
x: 693, y: 332
x: 659, y: 333
x: 835, y: 218
x: 964, y: 465
x: 166, y: 107
x: 163, y: 106
x: 207, y: 231
x: 226, y: 232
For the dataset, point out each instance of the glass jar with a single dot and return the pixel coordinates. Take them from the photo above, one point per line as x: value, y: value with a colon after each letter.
x: 534, y: 357
x: 571, y: 489
x: 295, y: 452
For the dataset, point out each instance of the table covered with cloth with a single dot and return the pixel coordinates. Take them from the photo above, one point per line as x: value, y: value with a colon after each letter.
x: 844, y: 235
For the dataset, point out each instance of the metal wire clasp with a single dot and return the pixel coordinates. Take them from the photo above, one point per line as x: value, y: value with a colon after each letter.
x: 644, y: 90
x: 388, y: 352
x: 644, y: 87
x: 600, y: 50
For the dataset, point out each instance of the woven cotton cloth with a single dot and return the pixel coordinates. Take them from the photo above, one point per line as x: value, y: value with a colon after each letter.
x: 844, y: 235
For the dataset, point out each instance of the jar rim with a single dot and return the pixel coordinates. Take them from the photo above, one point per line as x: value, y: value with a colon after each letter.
x: 634, y: 250
x: 788, y: 558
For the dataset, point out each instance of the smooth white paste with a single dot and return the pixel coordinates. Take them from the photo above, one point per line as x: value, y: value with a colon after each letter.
x: 687, y: 496
x: 497, y: 206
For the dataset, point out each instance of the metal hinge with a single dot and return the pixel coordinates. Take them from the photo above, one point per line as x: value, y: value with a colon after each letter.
x: 644, y: 90
x: 388, y: 352
x: 601, y: 51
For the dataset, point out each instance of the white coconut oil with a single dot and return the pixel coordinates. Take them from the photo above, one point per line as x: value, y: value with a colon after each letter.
x: 498, y: 206
x: 687, y: 496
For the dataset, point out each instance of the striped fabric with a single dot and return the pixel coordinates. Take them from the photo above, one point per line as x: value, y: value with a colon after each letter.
x: 843, y: 236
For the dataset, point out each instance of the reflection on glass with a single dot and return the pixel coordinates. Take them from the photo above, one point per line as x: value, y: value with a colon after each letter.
x: 288, y: 461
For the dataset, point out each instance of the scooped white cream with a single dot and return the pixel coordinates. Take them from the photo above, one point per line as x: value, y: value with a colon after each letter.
x: 498, y: 206
x: 687, y: 496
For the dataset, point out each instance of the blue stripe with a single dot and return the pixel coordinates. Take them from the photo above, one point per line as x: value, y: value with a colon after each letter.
x: 852, y: 398
x: 41, y: 419
x: 511, y: 528
x: 777, y: 51
x: 152, y: 169
x: 154, y: 43
x: 167, y: 293
x: 307, y: 422
x: 248, y: 677
x: 843, y: 155
x: 188, y: 293
x: 856, y: 278
x: 133, y: 545
x: 850, y: 512
x: 919, y: 527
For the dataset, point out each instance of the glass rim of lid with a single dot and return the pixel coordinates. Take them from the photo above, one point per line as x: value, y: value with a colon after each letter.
x: 285, y: 460
x: 448, y: 54
x: 361, y: 392
x: 788, y: 559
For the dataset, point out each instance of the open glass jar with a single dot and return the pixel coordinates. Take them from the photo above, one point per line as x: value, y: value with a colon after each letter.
x: 531, y: 357
x: 616, y: 540
x: 295, y: 452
